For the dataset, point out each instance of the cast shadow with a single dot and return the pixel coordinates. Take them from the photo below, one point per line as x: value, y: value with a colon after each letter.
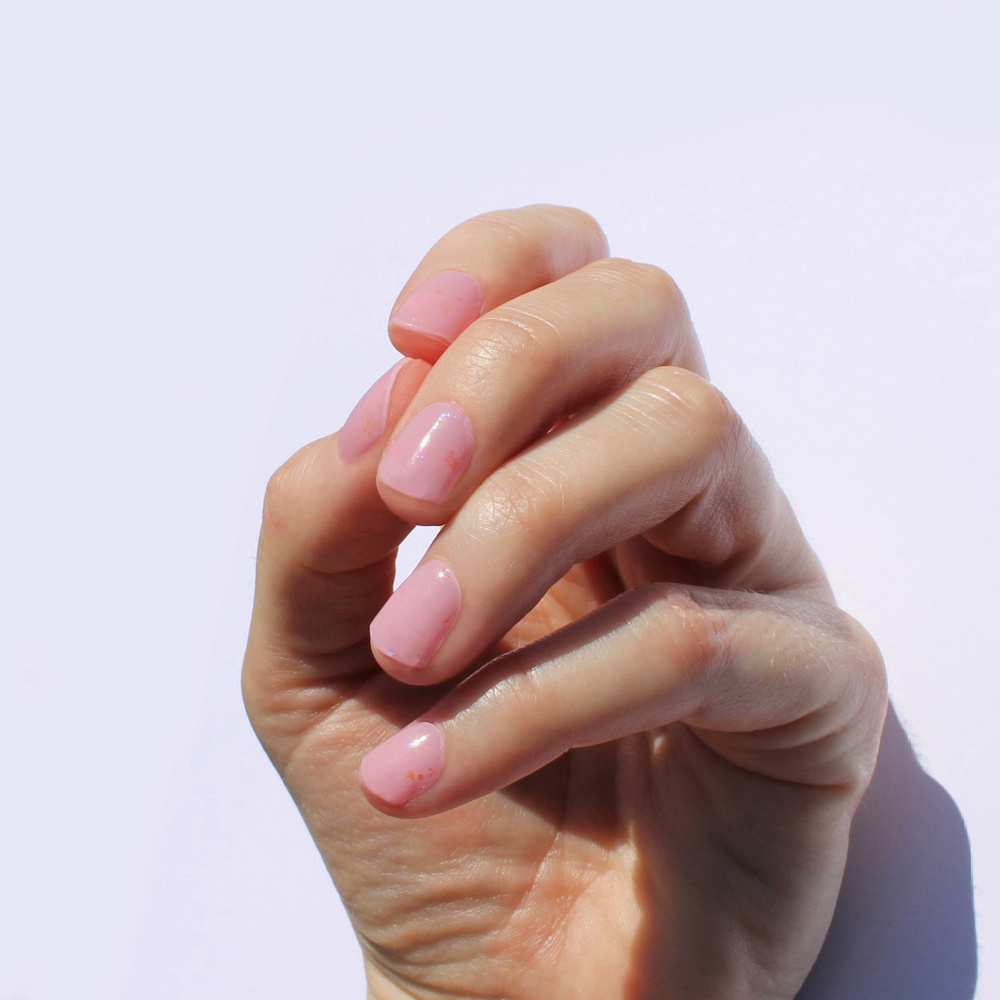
x: 904, y: 926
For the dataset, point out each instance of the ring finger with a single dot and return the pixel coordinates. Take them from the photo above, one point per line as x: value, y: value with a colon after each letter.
x: 517, y: 370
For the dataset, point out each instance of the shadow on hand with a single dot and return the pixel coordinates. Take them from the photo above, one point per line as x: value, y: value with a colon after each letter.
x: 904, y: 926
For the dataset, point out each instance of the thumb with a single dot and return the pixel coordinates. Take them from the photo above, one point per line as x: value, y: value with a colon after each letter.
x: 325, y: 566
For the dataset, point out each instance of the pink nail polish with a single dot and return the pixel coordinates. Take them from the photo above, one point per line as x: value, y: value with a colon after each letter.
x: 405, y: 765
x: 442, y: 307
x: 366, y: 424
x: 431, y: 453
x: 415, y: 620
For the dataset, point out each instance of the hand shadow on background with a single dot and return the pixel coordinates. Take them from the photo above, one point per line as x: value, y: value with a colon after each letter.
x: 904, y: 926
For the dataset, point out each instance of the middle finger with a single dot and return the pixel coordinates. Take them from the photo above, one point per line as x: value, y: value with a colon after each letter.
x: 667, y: 443
x: 517, y: 370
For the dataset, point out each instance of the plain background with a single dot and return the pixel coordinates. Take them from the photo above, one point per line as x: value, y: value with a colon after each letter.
x: 206, y: 211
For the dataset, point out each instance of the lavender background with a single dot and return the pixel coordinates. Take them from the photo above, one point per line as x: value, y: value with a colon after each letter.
x: 206, y: 211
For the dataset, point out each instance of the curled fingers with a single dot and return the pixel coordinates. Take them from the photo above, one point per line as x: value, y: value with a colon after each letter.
x: 626, y: 466
x: 788, y: 689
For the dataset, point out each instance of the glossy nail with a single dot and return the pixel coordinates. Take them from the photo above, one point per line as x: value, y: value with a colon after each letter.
x: 405, y: 765
x: 415, y: 620
x: 442, y: 307
x: 431, y: 453
x: 367, y: 421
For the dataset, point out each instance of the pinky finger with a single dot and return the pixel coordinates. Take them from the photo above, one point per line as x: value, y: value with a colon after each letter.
x: 785, y: 689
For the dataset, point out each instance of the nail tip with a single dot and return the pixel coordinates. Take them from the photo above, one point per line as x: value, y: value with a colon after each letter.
x: 442, y: 306
x: 417, y: 618
x: 403, y: 766
x: 396, y: 657
x: 413, y: 326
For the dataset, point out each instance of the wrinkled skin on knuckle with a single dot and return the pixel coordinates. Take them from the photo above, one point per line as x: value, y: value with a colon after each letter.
x: 689, y: 636
x: 518, y: 696
x: 708, y: 638
x: 584, y: 222
x: 806, y: 681
x: 283, y: 494
x: 714, y: 415
x: 520, y: 506
x: 501, y: 226
x: 704, y: 422
x: 520, y: 229
x: 511, y: 339
x: 871, y: 693
x: 668, y: 311
x: 645, y: 280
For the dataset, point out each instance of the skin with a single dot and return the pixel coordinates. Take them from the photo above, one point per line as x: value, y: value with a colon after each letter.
x: 657, y: 723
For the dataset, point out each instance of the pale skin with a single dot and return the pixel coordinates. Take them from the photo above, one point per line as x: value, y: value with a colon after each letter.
x: 657, y: 723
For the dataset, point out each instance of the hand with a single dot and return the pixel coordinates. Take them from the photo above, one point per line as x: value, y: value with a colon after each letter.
x: 643, y: 726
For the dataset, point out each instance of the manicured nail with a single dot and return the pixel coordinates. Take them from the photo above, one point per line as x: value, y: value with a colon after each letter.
x: 366, y: 424
x: 442, y: 307
x: 430, y: 455
x: 405, y: 765
x: 415, y: 620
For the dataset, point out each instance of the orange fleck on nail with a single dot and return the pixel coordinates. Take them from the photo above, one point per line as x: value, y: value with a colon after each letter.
x: 420, y: 776
x: 411, y: 775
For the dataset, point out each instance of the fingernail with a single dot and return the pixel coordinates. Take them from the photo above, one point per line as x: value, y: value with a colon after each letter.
x: 442, y: 307
x: 366, y: 424
x: 405, y: 765
x: 430, y: 455
x: 415, y: 620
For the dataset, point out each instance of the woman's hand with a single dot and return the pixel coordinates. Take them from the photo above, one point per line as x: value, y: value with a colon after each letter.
x: 635, y: 724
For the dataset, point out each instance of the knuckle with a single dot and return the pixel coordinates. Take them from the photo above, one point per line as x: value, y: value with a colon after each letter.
x: 856, y: 673
x: 583, y: 219
x: 694, y: 637
x: 279, y: 497
x: 519, y: 695
x: 499, y: 227
x: 514, y: 335
x: 283, y: 495
x: 647, y: 280
x: 870, y: 664
x: 528, y: 228
x: 581, y: 223
x: 524, y: 503
x: 684, y: 398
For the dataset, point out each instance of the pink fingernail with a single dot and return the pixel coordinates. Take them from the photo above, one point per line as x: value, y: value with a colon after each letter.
x: 405, y: 765
x: 415, y: 620
x: 366, y: 424
x: 442, y: 307
x: 430, y: 455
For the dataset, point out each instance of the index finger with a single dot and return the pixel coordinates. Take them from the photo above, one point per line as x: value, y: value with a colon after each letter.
x: 484, y: 262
